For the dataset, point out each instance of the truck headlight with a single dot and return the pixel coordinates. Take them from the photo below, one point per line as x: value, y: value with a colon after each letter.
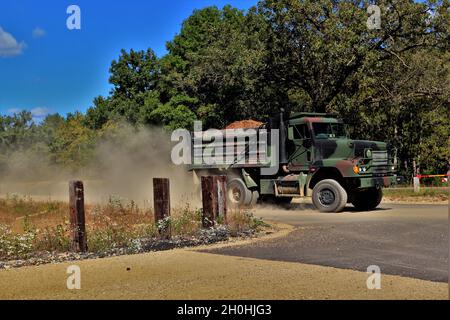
x: 357, y: 169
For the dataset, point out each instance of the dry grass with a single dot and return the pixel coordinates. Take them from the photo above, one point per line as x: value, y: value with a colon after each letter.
x: 425, y: 194
x: 240, y: 221
x: 28, y: 226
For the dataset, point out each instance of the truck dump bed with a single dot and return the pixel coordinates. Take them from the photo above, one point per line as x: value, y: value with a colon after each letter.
x: 230, y: 148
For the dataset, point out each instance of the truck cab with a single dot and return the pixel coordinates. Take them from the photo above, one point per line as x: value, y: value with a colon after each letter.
x: 318, y: 145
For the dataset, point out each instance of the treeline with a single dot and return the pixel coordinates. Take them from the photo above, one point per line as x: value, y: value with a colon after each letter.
x: 392, y: 84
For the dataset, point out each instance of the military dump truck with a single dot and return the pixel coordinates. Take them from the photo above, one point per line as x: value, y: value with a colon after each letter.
x: 315, y: 158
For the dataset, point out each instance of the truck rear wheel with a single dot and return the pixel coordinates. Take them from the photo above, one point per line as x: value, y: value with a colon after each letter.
x: 238, y: 194
x: 367, y: 199
x: 329, y: 196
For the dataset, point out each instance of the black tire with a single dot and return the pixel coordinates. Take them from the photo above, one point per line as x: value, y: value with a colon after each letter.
x: 238, y: 195
x: 367, y: 199
x: 329, y: 196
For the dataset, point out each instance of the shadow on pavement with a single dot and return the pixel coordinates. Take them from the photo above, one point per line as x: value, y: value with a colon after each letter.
x: 308, y: 206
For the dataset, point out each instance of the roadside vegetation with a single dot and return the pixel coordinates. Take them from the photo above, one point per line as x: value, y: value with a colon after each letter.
x: 426, y: 194
x: 29, y: 227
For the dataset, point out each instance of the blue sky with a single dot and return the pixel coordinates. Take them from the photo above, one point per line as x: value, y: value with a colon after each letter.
x: 47, y: 68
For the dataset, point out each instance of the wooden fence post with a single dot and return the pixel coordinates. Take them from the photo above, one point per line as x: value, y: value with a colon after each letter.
x: 221, y: 187
x: 208, y: 201
x: 77, y: 217
x: 214, y: 201
x: 161, y: 202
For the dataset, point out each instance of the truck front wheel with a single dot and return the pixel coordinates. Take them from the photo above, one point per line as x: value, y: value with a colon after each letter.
x: 329, y: 196
x: 367, y: 199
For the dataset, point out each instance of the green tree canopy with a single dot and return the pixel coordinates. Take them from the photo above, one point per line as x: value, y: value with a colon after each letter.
x: 226, y: 64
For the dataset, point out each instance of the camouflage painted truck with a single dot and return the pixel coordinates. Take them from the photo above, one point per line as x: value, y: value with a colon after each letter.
x: 316, y: 158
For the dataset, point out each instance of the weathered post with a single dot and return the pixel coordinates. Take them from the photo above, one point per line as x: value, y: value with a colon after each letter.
x: 214, y: 190
x: 209, y: 201
x: 161, y: 202
x: 221, y: 187
x: 416, y: 179
x: 416, y: 184
x: 77, y: 217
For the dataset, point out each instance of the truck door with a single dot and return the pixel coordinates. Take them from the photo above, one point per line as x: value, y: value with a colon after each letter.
x: 302, y: 154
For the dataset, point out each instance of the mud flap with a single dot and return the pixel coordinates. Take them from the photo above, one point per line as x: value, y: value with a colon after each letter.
x: 302, y: 180
x: 249, y: 182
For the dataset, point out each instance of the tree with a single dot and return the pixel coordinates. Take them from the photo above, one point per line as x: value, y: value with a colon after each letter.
x: 98, y: 115
x: 225, y: 76
x: 17, y: 132
x: 134, y: 77
x: 406, y: 104
x: 318, y: 47
x: 73, y: 144
x: 301, y: 55
x: 198, y: 54
x: 134, y: 73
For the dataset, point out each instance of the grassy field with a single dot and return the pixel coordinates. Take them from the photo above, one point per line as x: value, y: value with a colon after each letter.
x: 28, y: 226
x: 425, y: 193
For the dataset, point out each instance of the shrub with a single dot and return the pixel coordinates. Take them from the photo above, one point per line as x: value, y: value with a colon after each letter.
x: 119, y: 224
x: 186, y: 221
x: 15, y: 245
x: 54, y: 238
x: 240, y: 221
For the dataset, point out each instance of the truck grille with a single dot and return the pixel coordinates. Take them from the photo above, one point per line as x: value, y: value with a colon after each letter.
x: 380, y: 158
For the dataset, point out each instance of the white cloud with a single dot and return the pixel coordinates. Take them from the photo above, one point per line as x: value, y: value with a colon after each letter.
x: 9, y: 46
x: 38, y: 33
x: 40, y: 112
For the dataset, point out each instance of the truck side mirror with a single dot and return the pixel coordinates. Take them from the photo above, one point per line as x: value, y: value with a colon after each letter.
x: 291, y: 133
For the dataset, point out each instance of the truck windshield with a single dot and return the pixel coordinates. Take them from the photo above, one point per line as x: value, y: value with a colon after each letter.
x: 329, y: 130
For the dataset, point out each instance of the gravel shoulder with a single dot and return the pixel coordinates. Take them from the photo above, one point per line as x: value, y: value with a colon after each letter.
x: 190, y: 274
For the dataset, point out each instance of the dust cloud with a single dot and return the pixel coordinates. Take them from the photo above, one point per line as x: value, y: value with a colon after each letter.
x: 122, y: 167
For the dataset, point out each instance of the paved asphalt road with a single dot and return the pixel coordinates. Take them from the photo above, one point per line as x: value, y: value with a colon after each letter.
x: 406, y: 240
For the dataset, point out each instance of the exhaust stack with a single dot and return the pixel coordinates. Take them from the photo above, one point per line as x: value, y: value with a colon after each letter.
x: 283, y: 138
